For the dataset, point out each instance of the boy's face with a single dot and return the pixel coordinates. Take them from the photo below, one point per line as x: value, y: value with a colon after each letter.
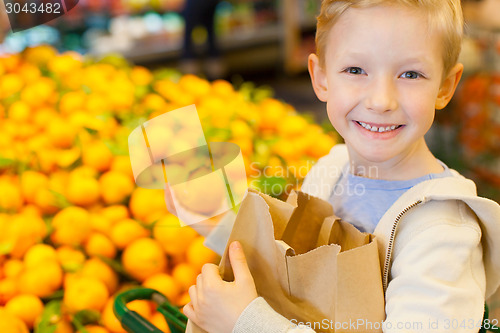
x: 382, y: 81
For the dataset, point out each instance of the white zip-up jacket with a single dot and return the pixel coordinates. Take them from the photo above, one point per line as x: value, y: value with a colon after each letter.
x: 439, y: 245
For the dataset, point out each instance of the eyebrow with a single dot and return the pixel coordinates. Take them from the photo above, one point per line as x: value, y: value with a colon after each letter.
x: 411, y: 60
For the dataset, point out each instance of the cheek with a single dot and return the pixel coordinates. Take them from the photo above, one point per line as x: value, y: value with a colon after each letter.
x: 341, y: 99
x: 421, y: 110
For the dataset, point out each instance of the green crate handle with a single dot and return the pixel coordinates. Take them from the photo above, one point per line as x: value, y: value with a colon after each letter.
x: 133, y: 322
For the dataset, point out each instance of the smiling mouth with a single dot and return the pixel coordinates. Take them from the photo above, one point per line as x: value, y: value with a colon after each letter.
x: 380, y: 129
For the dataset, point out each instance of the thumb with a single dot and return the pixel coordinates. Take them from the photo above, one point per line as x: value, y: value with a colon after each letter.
x: 239, y: 262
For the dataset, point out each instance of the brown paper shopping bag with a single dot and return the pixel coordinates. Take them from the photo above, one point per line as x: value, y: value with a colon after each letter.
x: 308, y: 265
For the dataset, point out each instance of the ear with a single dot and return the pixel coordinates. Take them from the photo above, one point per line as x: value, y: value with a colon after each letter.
x: 448, y: 86
x: 318, y: 77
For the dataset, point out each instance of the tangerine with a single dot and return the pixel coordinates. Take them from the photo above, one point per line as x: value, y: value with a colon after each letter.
x: 71, y: 226
x: 115, y: 187
x: 96, y: 268
x: 85, y: 293
x: 100, y: 245
x: 26, y: 307
x: 165, y: 284
x: 10, y: 323
x: 174, y: 238
x: 198, y: 254
x: 41, y: 280
x: 97, y: 155
x: 185, y: 274
x: 126, y: 231
x: 143, y: 258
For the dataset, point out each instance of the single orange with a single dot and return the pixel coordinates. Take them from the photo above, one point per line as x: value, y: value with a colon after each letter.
x: 26, y: 307
x: 41, y: 280
x: 109, y: 319
x: 20, y: 111
x: 10, y: 323
x: 31, y: 182
x: 165, y: 284
x: 100, y: 223
x: 21, y: 231
x: 183, y: 299
x: 8, y: 289
x: 222, y: 88
x: 141, y: 76
x: 154, y: 102
x: 142, y: 307
x: 29, y: 72
x: 12, y: 268
x: 97, y: 155
x: 10, y: 84
x: 272, y: 112
x: 38, y: 254
x: 147, y: 205
x: 185, y: 274
x: 71, y: 101
x: 115, y: 213
x: 38, y: 92
x: 174, y: 238
x: 121, y: 163
x: 64, y: 326
x: 39, y: 55
x: 323, y: 145
x: 194, y: 85
x: 11, y: 199
x: 160, y: 322
x: 100, y: 245
x: 115, y: 187
x: 143, y: 258
x: 85, y: 293
x: 68, y: 157
x: 126, y: 231
x: 60, y: 133
x: 96, y: 268
x: 69, y: 258
x: 82, y: 190
x: 198, y: 254
x: 71, y: 226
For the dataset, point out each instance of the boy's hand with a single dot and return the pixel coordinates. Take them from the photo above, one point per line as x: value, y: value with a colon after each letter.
x: 216, y: 304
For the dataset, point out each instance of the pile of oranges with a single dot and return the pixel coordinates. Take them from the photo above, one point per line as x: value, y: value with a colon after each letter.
x: 74, y: 228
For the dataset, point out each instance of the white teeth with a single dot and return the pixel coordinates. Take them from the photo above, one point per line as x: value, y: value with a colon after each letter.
x: 378, y: 129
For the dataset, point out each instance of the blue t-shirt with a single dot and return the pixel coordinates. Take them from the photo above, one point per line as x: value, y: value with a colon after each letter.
x: 363, y: 201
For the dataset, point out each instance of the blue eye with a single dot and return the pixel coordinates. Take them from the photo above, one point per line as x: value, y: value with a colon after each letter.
x: 354, y: 70
x: 411, y: 75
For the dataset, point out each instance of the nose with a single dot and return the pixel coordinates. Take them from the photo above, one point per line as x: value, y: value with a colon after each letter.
x: 381, y: 95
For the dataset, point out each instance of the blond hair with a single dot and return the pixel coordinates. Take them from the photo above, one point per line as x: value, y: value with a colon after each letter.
x: 444, y: 16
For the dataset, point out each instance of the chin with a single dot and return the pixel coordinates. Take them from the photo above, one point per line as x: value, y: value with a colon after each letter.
x: 376, y: 154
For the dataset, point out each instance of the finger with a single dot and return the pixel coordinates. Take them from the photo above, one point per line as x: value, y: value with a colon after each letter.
x: 239, y: 262
x: 199, y: 280
x: 210, y: 272
x: 193, y: 296
x: 189, y: 312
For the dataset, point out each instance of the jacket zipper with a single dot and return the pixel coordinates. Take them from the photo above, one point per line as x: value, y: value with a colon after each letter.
x: 387, y: 263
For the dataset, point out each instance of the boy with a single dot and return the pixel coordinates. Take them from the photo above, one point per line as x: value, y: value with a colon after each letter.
x: 383, y: 67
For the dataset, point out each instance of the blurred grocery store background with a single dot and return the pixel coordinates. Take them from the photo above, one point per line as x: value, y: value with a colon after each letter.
x: 267, y: 42
x: 72, y: 220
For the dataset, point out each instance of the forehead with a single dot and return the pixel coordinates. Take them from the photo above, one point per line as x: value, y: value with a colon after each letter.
x: 382, y: 30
